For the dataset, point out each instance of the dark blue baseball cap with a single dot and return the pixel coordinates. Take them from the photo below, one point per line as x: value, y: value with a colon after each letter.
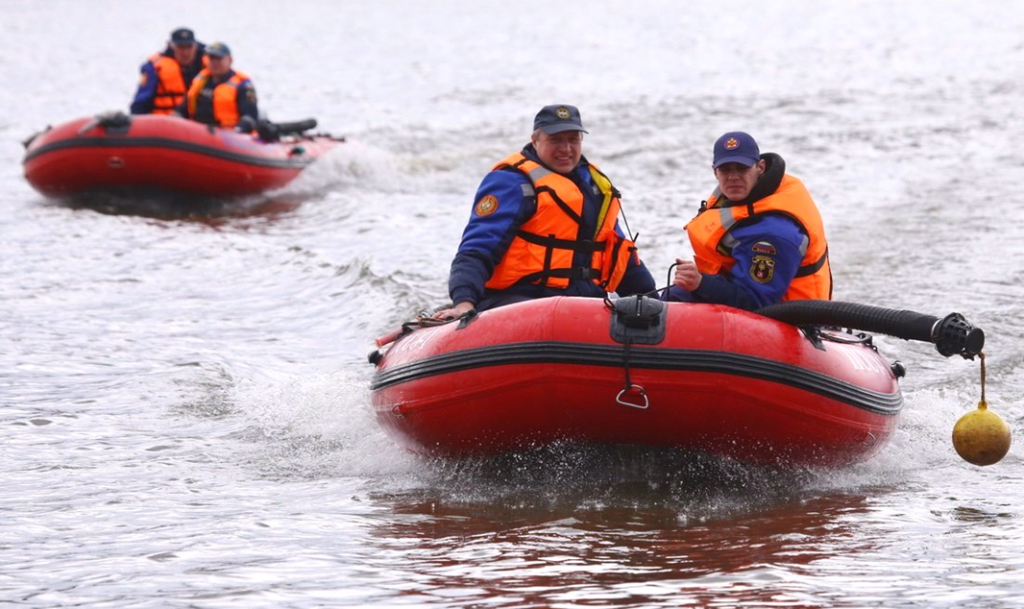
x: 218, y: 49
x: 558, y: 118
x: 736, y: 147
x: 183, y: 35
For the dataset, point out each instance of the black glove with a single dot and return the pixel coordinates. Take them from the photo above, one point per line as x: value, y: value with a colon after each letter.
x: 246, y: 125
x: 268, y: 131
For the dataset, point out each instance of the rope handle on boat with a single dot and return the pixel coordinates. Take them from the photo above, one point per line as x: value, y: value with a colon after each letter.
x: 406, y: 328
x: 377, y: 355
x: 422, y: 321
x: 630, y: 386
x: 640, y: 390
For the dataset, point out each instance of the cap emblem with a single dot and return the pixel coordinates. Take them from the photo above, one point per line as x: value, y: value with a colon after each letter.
x: 732, y: 144
x: 563, y: 113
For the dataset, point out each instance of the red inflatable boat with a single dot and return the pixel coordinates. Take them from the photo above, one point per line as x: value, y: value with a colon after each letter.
x: 638, y: 371
x: 118, y: 152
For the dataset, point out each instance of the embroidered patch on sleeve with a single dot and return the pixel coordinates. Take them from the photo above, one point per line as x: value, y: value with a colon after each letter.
x: 486, y: 206
x: 762, y: 269
x: 764, y: 247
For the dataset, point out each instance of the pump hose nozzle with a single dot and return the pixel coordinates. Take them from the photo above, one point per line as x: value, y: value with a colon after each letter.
x: 954, y: 335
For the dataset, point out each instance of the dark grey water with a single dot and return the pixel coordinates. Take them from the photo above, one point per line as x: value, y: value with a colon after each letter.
x: 184, y: 412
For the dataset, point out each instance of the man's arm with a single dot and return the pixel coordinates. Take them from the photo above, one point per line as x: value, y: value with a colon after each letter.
x: 146, y: 92
x: 498, y: 211
x: 767, y: 257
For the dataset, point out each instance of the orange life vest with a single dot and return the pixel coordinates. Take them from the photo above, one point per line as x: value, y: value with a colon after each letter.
x: 713, y: 254
x: 542, y: 250
x: 225, y: 97
x: 170, y: 86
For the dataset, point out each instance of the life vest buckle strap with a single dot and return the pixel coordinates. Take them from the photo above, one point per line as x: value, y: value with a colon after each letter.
x: 584, y: 272
x: 576, y: 272
x: 589, y: 246
x: 586, y: 246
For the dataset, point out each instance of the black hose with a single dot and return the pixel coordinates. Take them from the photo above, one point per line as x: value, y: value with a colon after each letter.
x: 296, y: 126
x: 951, y: 335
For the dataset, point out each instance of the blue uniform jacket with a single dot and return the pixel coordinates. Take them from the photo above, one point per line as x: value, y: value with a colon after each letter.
x: 739, y: 288
x: 486, y: 238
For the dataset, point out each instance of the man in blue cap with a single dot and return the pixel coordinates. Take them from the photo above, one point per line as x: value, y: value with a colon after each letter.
x: 544, y: 223
x: 166, y: 76
x: 758, y: 239
x: 219, y: 95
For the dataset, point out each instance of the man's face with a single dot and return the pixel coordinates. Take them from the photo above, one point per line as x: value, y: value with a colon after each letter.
x: 184, y: 53
x: 219, y: 66
x: 736, y: 180
x: 561, y: 151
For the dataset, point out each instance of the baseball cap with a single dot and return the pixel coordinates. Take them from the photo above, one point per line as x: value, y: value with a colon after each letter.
x: 559, y: 118
x: 183, y: 35
x: 218, y: 49
x: 736, y: 147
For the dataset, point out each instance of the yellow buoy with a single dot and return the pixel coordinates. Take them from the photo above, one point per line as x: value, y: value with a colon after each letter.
x: 981, y: 437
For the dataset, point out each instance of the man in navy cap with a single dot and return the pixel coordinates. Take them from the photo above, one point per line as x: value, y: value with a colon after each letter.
x: 220, y: 95
x: 758, y: 239
x: 544, y: 223
x: 166, y: 76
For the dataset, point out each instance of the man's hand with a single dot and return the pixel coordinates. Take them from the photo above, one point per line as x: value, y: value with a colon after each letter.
x: 455, y: 312
x: 687, y: 276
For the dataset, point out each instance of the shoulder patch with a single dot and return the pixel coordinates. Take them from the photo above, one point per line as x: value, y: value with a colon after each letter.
x: 762, y: 268
x: 486, y: 206
x: 764, y: 247
x: 251, y: 95
x: 143, y: 79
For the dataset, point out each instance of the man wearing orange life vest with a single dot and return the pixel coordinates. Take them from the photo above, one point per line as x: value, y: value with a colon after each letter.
x: 544, y: 223
x: 166, y: 76
x: 219, y: 95
x: 758, y: 239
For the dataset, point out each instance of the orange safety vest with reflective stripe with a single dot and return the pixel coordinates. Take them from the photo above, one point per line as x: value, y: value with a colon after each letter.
x: 225, y: 97
x: 170, y: 85
x: 709, y: 231
x: 542, y: 250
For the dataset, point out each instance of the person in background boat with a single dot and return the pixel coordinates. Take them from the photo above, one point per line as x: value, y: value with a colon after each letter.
x: 544, y: 223
x: 166, y: 76
x: 219, y: 95
x: 758, y: 239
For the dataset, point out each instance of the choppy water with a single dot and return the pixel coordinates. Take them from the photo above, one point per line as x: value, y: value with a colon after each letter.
x: 184, y: 413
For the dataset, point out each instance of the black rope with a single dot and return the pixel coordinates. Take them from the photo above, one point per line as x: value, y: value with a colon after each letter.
x: 625, y: 363
x: 657, y: 292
